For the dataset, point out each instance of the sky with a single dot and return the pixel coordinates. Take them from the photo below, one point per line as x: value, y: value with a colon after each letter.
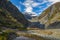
x: 35, y: 7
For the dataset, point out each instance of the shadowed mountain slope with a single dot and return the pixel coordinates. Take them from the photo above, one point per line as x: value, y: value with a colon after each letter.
x: 10, y: 16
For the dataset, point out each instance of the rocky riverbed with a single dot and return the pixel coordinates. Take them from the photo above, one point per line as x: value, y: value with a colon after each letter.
x: 23, y: 38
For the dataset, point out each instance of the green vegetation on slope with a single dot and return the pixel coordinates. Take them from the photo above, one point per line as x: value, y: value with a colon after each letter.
x: 11, y: 17
x: 8, y: 35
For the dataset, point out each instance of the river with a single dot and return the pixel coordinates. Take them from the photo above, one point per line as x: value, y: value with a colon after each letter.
x: 23, y: 38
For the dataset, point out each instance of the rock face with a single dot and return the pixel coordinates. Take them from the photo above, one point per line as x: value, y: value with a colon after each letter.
x: 55, y: 25
x: 10, y: 16
x: 27, y: 16
x: 51, y: 16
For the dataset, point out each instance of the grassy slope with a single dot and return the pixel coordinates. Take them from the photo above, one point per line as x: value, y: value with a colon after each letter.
x: 51, y: 16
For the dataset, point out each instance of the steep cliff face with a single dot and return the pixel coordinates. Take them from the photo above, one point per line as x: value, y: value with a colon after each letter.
x: 10, y: 16
x: 51, y: 16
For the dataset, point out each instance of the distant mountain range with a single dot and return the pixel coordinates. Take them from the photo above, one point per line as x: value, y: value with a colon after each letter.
x: 29, y: 15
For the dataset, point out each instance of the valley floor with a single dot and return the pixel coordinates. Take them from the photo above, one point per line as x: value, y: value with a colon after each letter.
x: 37, y: 34
x: 53, y: 34
x: 48, y: 34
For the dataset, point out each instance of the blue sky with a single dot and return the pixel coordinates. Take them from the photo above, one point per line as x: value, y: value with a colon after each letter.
x: 32, y: 6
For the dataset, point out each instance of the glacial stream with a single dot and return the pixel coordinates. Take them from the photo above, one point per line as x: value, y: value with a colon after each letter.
x: 23, y: 38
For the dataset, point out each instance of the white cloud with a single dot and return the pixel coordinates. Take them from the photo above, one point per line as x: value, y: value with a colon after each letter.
x: 29, y: 4
x: 54, y: 1
x: 44, y: 1
x: 35, y: 4
x: 29, y: 9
